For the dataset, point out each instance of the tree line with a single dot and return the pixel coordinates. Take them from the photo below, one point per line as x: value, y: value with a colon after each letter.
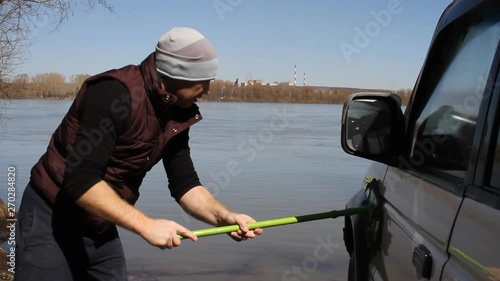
x: 45, y: 86
x: 228, y: 91
x: 55, y: 86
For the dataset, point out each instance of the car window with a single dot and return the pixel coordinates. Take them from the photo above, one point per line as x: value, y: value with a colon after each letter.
x: 443, y: 132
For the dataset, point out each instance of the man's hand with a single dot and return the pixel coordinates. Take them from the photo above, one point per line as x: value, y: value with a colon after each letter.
x: 200, y: 203
x: 103, y: 201
x: 495, y: 273
x: 242, y: 220
x: 164, y: 233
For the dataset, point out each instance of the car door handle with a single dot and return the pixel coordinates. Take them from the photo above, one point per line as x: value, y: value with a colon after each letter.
x: 422, y: 260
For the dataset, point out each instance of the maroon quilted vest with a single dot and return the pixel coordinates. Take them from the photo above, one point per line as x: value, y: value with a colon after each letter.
x: 137, y: 150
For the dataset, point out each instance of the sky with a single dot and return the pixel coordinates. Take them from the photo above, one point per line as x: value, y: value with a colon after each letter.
x: 376, y: 44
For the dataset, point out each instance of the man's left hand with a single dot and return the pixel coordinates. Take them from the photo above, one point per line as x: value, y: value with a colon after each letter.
x: 242, y: 220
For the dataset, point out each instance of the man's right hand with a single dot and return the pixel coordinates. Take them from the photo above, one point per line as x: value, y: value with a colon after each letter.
x: 165, y: 233
x: 103, y: 201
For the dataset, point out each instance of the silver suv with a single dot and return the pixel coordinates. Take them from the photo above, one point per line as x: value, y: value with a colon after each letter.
x: 435, y: 176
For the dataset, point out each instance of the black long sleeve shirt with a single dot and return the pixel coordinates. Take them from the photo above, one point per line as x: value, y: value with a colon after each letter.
x: 93, y: 146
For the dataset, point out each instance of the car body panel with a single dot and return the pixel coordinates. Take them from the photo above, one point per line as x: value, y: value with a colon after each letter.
x: 472, y: 252
x: 416, y: 213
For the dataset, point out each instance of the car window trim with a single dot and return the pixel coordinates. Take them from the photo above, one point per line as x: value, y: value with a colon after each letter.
x: 487, y: 137
x: 481, y: 191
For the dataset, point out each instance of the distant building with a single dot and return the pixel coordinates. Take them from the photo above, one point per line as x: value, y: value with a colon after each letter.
x: 255, y: 82
x: 260, y: 82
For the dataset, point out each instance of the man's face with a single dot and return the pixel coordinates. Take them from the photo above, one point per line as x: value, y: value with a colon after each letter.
x: 187, y: 92
x: 189, y: 95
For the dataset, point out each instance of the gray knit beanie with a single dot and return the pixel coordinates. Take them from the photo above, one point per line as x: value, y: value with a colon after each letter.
x: 184, y: 53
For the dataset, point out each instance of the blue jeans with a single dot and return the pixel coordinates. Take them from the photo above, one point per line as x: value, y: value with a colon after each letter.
x: 52, y: 248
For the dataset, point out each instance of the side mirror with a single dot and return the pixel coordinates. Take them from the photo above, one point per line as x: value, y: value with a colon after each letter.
x: 372, y: 126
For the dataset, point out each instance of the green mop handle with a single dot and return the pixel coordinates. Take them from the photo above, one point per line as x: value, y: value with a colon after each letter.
x: 281, y: 221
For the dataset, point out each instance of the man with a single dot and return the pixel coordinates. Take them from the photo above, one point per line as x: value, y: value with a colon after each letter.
x: 121, y: 123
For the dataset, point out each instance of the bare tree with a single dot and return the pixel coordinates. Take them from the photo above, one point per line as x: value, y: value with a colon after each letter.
x: 50, y: 85
x: 76, y: 82
x: 19, y: 20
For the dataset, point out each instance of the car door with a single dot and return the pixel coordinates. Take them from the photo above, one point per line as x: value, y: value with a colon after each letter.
x: 474, y: 247
x: 425, y: 191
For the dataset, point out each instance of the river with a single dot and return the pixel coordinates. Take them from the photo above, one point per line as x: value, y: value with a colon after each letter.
x: 266, y: 160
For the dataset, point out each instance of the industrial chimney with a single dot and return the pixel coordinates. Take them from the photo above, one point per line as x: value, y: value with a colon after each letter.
x: 295, y: 75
